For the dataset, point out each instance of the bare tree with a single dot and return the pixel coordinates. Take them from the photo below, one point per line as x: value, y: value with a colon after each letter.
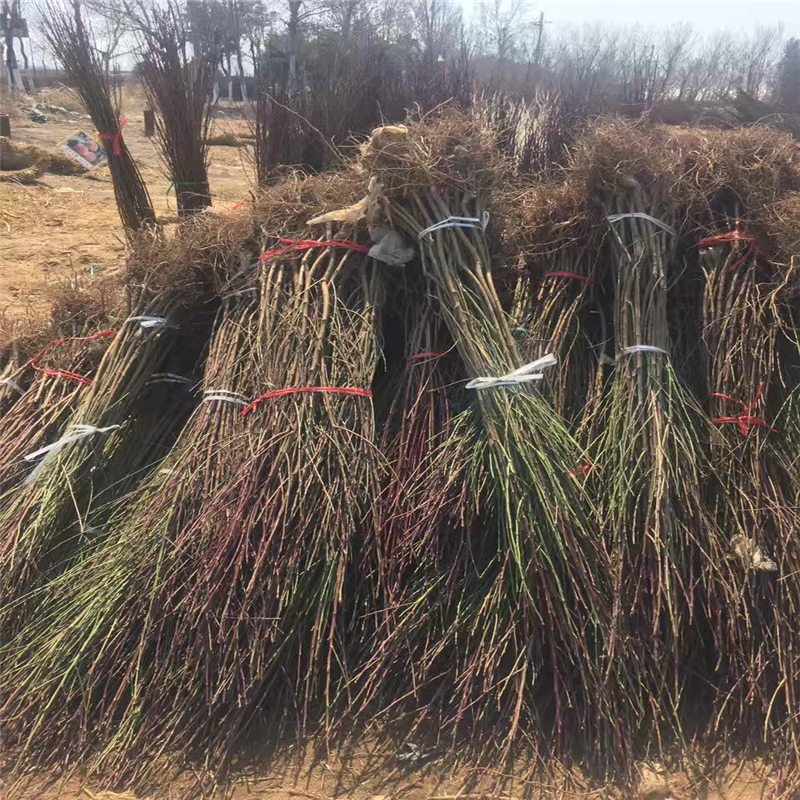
x: 787, y: 82
x: 757, y: 56
x: 503, y: 21
x: 113, y: 29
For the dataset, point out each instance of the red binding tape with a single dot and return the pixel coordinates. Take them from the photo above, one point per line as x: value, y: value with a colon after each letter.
x: 298, y: 245
x: 248, y: 199
x: 426, y: 355
x: 565, y: 274
x: 64, y: 373
x: 731, y: 236
x: 743, y: 421
x: 734, y: 236
x: 584, y: 469
x: 115, y: 137
x: 306, y: 389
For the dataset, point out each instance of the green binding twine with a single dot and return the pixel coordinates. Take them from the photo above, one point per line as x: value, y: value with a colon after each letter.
x: 173, y: 183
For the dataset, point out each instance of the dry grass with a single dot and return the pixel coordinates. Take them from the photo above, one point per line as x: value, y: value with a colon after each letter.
x: 18, y: 156
x: 71, y: 309
x: 695, y: 168
x: 449, y: 149
x: 29, y: 175
x: 783, y: 223
x: 230, y: 139
x: 60, y: 96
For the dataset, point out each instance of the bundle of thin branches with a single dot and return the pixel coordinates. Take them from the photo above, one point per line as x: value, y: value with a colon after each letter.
x: 180, y: 88
x: 650, y: 467
x: 219, y: 589
x: 409, y: 548
x: 418, y: 418
x: 758, y: 501
x: 101, y: 610
x: 535, y: 133
x: 267, y: 578
x: 44, y: 522
x: 159, y: 415
x: 520, y: 655
x: 282, y: 136
x: 44, y: 408
x: 72, y: 42
x: 554, y: 320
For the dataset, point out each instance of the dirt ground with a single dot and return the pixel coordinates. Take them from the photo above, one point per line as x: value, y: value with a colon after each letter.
x: 361, y: 780
x: 67, y: 228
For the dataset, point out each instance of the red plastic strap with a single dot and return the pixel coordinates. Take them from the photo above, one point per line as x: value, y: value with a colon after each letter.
x: 115, y: 137
x: 426, y: 355
x: 744, y: 421
x: 248, y: 199
x: 298, y: 245
x: 306, y: 389
x: 734, y: 236
x: 731, y: 236
x: 583, y: 470
x: 64, y: 373
x: 564, y: 274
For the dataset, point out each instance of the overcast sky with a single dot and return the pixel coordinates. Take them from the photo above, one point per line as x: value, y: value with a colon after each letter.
x: 741, y: 15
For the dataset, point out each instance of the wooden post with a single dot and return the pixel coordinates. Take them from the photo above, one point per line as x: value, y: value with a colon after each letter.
x: 5, y: 125
x: 149, y: 122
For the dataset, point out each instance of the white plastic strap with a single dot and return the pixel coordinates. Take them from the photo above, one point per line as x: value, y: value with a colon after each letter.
x: 225, y: 396
x: 13, y: 384
x: 642, y: 348
x: 51, y: 450
x: 642, y: 215
x: 479, y: 223
x: 168, y: 377
x: 152, y: 322
x: 530, y: 372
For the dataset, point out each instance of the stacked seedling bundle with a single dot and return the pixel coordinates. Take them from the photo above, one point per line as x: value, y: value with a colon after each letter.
x: 520, y: 654
x: 44, y: 408
x: 409, y: 549
x: 554, y: 320
x: 98, y: 696
x: 73, y: 44
x: 44, y: 522
x: 217, y: 588
x: 648, y: 458
x: 756, y: 502
x: 180, y: 87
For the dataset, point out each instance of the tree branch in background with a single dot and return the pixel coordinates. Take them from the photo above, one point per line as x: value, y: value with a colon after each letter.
x: 180, y: 89
x: 73, y: 44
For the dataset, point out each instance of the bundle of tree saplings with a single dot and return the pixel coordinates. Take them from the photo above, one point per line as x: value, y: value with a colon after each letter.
x: 44, y: 519
x: 553, y: 319
x: 116, y: 590
x: 649, y: 466
x: 757, y: 499
x: 180, y: 88
x: 71, y: 40
x: 521, y: 655
x: 408, y: 549
x: 60, y: 375
x: 220, y: 552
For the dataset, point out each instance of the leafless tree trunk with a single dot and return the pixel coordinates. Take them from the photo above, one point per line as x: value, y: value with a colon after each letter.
x: 293, y: 37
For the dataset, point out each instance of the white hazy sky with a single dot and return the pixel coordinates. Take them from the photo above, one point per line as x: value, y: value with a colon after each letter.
x: 705, y: 15
x: 741, y: 15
